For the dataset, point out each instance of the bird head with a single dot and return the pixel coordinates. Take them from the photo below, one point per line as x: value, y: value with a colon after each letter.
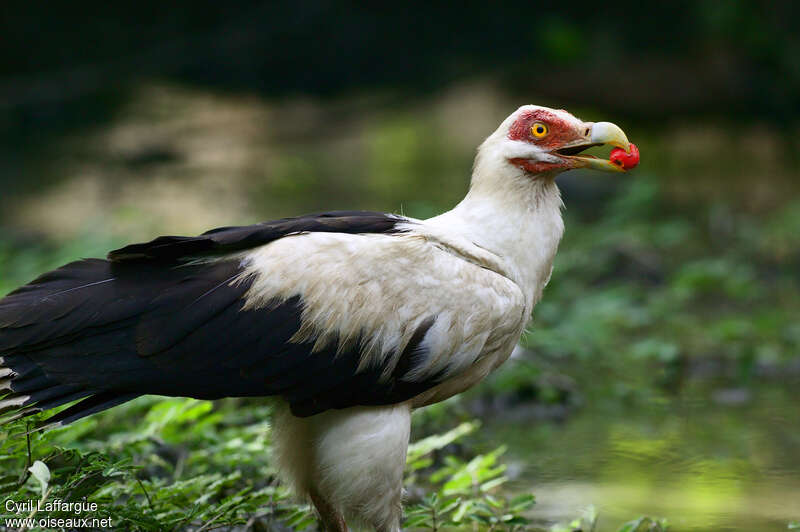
x: 541, y: 141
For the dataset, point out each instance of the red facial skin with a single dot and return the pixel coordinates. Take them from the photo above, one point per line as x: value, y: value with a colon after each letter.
x: 625, y: 160
x: 536, y: 167
x: 560, y: 133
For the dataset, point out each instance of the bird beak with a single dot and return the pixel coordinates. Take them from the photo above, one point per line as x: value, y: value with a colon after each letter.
x: 596, y: 134
x: 608, y: 133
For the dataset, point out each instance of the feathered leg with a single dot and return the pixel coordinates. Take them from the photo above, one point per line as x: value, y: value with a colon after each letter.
x: 332, y: 520
x: 350, y: 462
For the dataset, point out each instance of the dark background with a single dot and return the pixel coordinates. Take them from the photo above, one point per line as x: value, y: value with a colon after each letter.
x: 713, y: 58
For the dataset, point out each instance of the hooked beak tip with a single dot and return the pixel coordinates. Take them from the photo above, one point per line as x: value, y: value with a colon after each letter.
x: 612, y: 134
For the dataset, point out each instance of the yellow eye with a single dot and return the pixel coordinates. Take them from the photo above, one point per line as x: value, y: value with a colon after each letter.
x: 539, y: 130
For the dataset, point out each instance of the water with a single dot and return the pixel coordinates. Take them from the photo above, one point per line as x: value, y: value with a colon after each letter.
x: 724, y: 460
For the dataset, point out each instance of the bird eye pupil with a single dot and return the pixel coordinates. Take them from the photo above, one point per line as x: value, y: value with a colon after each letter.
x: 538, y: 130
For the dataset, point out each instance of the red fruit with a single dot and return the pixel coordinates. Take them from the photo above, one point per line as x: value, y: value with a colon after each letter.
x: 625, y: 160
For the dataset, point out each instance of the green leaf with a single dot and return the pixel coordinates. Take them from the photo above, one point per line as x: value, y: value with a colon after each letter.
x: 41, y: 472
x: 449, y: 507
x: 432, y: 443
x: 417, y: 509
x: 420, y: 463
x: 480, y: 518
x: 462, y: 510
x: 462, y: 483
x: 522, y: 502
x: 517, y: 520
x: 488, y: 486
x: 418, y: 521
x: 494, y: 501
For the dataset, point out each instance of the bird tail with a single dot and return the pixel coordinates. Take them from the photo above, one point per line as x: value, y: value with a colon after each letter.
x: 88, y: 331
x: 26, y: 390
x: 41, y: 324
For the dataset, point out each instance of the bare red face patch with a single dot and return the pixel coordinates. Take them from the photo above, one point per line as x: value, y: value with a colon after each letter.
x: 535, y: 167
x: 559, y: 131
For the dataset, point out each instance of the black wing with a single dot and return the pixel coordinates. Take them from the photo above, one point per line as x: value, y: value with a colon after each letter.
x: 151, y: 320
x: 231, y: 239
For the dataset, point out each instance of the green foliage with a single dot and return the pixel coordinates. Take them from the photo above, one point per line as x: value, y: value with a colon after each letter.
x: 486, y: 513
x: 463, y: 493
x: 168, y: 465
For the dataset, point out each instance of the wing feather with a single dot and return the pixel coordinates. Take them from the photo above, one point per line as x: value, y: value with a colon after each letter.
x: 170, y: 317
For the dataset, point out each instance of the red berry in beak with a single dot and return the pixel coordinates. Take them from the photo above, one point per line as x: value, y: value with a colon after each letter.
x: 625, y: 160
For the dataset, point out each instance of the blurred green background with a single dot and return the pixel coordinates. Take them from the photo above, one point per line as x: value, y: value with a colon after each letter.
x: 661, y: 372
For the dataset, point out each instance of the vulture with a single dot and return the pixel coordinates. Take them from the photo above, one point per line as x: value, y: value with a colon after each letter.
x: 349, y: 319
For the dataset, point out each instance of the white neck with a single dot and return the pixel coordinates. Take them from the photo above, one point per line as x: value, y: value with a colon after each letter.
x: 513, y: 215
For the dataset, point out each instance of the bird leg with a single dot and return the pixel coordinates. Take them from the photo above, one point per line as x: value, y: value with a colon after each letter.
x: 332, y: 520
